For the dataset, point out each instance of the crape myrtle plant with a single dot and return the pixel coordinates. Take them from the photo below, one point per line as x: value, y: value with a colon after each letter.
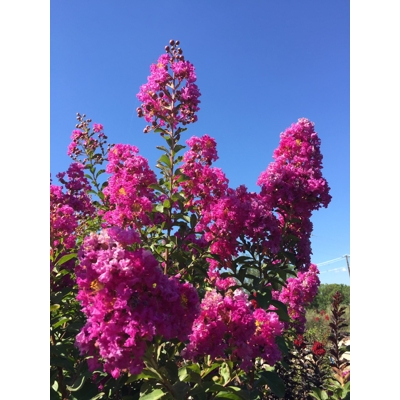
x: 172, y: 284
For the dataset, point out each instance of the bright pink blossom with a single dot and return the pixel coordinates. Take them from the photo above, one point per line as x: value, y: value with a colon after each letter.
x: 127, y: 301
x: 293, y: 184
x: 228, y: 324
x: 128, y: 191
x: 298, y: 293
x: 170, y: 95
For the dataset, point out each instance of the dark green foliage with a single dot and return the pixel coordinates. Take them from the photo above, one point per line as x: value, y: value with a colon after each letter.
x: 323, y: 299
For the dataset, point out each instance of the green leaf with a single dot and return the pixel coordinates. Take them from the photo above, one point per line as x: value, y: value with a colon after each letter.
x: 225, y: 372
x: 291, y: 256
x: 180, y: 390
x: 281, y: 310
x: 168, y: 139
x: 274, y: 382
x: 210, y: 369
x: 178, y: 147
x: 101, y: 195
x: 160, y: 208
x: 182, y: 178
x: 54, y: 395
x: 98, y: 396
x: 216, y: 388
x: 182, y: 373
x: 242, y: 259
x: 165, y: 159
x: 54, y: 307
x: 55, y: 386
x: 194, y: 377
x: 60, y: 322
x: 198, y: 392
x: 172, y: 370
x: 193, y: 221
x: 166, y: 204
x: 319, y: 394
x: 162, y: 148
x: 77, y: 384
x: 264, y: 299
x: 62, y: 362
x: 65, y: 258
x: 233, y: 392
x: 150, y: 373
x: 100, y: 172
x: 280, y: 341
x: 154, y: 395
x: 194, y: 367
x: 155, y: 186
x: 228, y: 395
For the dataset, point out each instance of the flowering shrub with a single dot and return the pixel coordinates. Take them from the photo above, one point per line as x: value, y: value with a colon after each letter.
x: 179, y: 286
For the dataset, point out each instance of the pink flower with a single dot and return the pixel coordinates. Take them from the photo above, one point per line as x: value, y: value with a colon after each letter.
x: 127, y: 300
x: 293, y: 184
x: 97, y: 128
x: 128, y: 191
x: 229, y: 324
x: 162, y: 102
x: 298, y: 293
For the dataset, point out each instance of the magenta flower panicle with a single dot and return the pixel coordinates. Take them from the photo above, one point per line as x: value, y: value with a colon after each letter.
x: 229, y: 325
x: 170, y: 96
x: 128, y: 191
x: 128, y: 300
x: 294, y: 186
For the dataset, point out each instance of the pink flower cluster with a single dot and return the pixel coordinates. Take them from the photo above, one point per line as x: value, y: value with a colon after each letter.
x: 128, y: 191
x: 83, y: 142
x: 298, y: 293
x: 215, y: 279
x: 228, y: 324
x: 206, y: 183
x: 225, y: 213
x: 127, y: 301
x: 294, y: 185
x: 170, y: 95
x: 68, y: 207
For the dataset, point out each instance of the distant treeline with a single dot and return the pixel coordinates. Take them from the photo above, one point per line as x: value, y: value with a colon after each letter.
x: 323, y: 299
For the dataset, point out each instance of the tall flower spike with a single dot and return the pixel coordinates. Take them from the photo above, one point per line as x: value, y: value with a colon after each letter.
x: 170, y: 96
x: 295, y: 187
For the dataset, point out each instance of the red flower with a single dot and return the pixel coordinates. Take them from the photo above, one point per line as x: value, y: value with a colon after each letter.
x: 299, y: 342
x: 322, y: 312
x: 254, y: 303
x: 317, y: 318
x: 318, y: 349
x: 327, y: 317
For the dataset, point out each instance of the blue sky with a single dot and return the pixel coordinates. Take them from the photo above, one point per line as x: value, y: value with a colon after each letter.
x: 260, y: 67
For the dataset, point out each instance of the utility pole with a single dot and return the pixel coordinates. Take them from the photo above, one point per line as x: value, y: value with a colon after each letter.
x: 347, y: 262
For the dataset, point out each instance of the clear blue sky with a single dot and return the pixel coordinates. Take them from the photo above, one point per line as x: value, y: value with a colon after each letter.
x: 261, y: 65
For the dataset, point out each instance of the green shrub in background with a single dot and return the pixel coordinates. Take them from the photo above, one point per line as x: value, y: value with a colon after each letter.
x: 326, y: 291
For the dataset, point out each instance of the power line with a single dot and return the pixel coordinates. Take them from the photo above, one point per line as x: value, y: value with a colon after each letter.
x: 343, y: 269
x: 329, y: 261
x: 346, y: 256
